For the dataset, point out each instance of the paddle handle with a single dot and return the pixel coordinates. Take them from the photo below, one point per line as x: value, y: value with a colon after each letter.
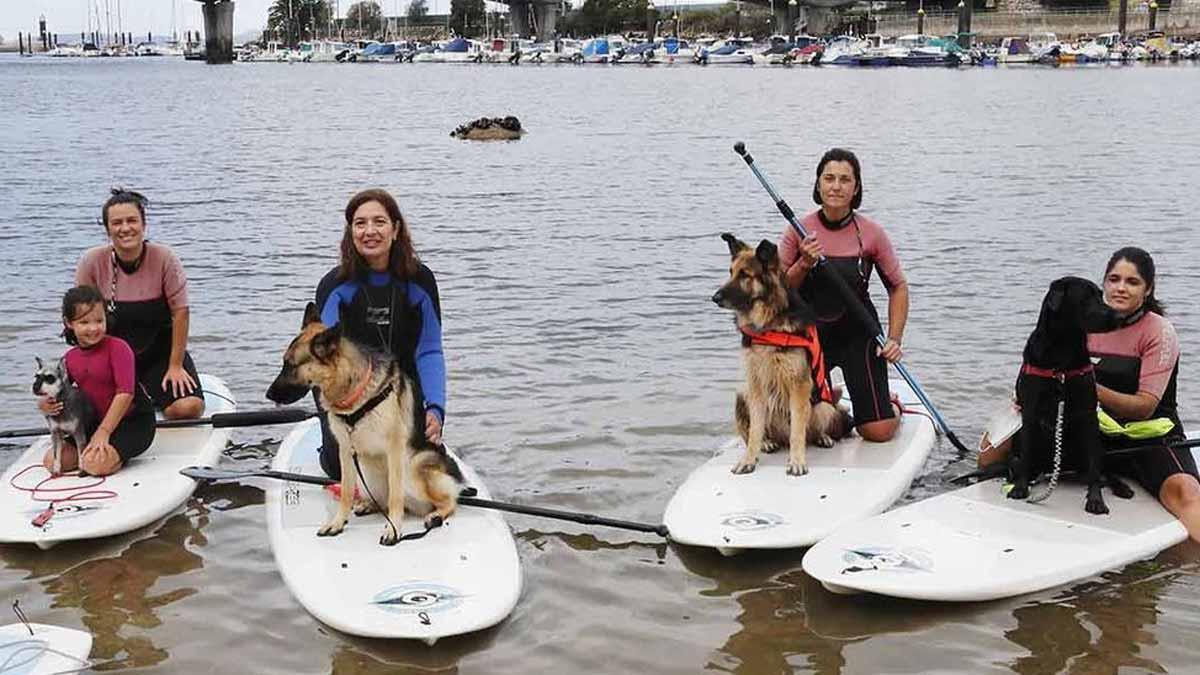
x: 854, y: 304
x: 249, y: 418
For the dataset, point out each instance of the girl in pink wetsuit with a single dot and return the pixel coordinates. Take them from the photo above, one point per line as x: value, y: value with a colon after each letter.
x: 102, y: 367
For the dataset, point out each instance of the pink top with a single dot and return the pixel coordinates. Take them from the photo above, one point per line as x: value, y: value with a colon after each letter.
x: 102, y: 371
x: 843, y: 244
x: 159, y: 276
x: 1152, y: 340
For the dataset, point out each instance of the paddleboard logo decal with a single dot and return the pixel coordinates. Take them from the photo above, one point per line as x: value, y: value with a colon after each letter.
x: 884, y: 559
x: 417, y: 597
x: 749, y: 521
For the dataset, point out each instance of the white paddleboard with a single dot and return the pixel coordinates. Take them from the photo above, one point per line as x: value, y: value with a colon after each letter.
x: 770, y: 509
x: 976, y: 544
x: 147, y: 489
x: 51, y: 649
x: 462, y: 577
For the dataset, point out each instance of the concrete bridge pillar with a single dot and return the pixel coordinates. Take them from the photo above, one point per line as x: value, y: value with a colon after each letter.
x: 218, y: 31
x: 518, y: 16
x: 546, y: 16
x: 817, y: 20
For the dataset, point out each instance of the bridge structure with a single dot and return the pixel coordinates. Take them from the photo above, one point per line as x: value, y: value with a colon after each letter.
x: 816, y: 15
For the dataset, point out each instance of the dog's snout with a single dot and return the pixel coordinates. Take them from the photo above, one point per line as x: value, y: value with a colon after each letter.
x: 719, y: 296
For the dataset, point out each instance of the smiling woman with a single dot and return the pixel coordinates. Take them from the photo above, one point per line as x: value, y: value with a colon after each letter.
x: 146, y: 298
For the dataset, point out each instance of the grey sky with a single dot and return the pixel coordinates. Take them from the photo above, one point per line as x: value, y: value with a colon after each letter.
x: 69, y: 17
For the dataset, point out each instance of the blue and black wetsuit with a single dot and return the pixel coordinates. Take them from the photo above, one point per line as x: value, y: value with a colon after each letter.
x: 402, y: 316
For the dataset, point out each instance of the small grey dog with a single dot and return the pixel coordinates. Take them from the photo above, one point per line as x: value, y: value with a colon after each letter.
x: 78, y: 417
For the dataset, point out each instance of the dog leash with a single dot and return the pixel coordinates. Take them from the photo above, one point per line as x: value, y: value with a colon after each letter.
x: 1058, y: 436
x: 433, y: 523
x: 78, y: 493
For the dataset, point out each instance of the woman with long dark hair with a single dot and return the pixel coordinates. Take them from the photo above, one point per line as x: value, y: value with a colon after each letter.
x: 385, y: 298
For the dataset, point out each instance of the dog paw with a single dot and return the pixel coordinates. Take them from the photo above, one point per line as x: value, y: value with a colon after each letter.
x: 434, y: 520
x: 797, y: 469
x: 744, y: 466
x: 824, y: 441
x: 1120, y: 489
x: 365, y: 507
x: 390, y: 536
x: 769, y: 447
x: 1019, y: 492
x: 331, y: 530
x: 1096, y: 507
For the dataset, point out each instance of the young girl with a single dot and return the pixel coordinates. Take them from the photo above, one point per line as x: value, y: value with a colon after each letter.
x: 102, y: 367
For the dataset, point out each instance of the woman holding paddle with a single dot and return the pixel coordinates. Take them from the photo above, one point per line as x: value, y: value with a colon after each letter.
x: 385, y: 298
x: 145, y: 291
x: 852, y: 245
x: 1136, y: 369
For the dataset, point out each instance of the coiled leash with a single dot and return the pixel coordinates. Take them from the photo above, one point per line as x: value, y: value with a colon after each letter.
x: 1058, y: 436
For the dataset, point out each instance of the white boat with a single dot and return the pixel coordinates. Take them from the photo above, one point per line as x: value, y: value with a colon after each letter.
x: 1014, y: 50
x: 321, y: 51
x: 676, y: 50
x: 732, y: 51
x: 273, y: 51
x: 843, y: 50
x: 596, y: 50
x: 73, y: 51
x: 462, y: 50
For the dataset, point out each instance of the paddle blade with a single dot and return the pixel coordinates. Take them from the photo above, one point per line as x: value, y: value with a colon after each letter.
x: 209, y: 473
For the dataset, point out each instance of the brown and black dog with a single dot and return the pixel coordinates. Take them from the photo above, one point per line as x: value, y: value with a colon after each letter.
x: 776, y: 407
x: 376, y: 415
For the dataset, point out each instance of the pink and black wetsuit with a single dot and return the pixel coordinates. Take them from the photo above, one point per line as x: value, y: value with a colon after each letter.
x: 853, y: 248
x: 144, y: 295
x: 1143, y: 356
x: 101, y: 372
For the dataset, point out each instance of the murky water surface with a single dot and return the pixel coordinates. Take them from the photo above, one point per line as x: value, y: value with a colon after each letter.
x: 588, y: 368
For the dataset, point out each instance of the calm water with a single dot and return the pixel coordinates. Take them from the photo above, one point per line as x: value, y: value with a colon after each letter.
x: 588, y: 368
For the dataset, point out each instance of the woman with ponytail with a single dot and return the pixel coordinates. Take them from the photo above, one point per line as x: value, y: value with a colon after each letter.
x: 1136, y: 369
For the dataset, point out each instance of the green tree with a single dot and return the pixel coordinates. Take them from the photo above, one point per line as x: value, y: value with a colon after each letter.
x: 418, y: 9
x: 294, y: 20
x: 466, y: 17
x: 365, y: 17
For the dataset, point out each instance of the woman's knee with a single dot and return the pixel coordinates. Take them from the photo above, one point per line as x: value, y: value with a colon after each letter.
x: 100, y: 466
x: 189, y: 407
x: 1180, y: 492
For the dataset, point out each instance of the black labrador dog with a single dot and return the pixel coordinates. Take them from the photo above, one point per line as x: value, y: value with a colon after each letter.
x: 1057, y: 368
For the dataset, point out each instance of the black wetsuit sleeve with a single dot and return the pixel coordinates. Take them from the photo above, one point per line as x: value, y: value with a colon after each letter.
x: 428, y: 282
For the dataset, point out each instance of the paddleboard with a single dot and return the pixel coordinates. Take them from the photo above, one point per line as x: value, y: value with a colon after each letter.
x: 462, y: 577
x: 51, y: 649
x: 770, y: 509
x: 147, y: 489
x: 975, y: 544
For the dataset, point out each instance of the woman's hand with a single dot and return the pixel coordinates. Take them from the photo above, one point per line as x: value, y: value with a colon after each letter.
x: 433, y: 427
x: 810, y: 251
x: 49, y: 405
x: 178, y: 382
x: 891, y: 351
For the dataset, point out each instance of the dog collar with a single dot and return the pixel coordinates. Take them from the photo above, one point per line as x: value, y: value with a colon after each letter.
x: 355, y: 417
x: 1060, y: 375
x: 350, y: 400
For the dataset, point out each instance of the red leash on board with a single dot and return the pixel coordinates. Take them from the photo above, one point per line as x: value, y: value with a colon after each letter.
x: 78, y: 493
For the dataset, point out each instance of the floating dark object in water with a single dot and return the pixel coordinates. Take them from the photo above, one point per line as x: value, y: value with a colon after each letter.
x: 490, y: 129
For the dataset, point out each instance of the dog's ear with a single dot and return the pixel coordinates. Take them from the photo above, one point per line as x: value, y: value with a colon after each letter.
x: 324, y: 345
x: 1054, y: 299
x: 767, y: 253
x: 40, y: 365
x: 311, y: 315
x: 735, y: 245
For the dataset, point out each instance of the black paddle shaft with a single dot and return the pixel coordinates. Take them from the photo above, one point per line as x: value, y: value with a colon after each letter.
x: 249, y: 418
x: 466, y: 498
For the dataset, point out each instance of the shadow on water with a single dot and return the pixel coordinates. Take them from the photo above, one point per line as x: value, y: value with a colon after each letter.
x: 1104, y: 624
x: 361, y: 655
x: 112, y: 581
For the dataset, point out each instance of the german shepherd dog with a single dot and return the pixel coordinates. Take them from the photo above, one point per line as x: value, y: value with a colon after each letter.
x: 1058, y: 369
x: 776, y: 406
x: 376, y: 415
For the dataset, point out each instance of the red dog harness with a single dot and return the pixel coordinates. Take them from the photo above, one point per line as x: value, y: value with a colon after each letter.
x: 808, y: 341
x: 1060, y: 375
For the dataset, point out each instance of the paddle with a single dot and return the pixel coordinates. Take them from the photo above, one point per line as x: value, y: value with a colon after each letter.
x: 853, y: 303
x: 466, y: 497
x: 249, y: 418
x: 1000, y: 467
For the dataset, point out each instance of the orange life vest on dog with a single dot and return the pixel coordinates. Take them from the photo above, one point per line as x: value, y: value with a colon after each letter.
x: 807, y: 340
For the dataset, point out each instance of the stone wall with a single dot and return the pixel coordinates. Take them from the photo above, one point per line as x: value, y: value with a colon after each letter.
x: 1066, y: 24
